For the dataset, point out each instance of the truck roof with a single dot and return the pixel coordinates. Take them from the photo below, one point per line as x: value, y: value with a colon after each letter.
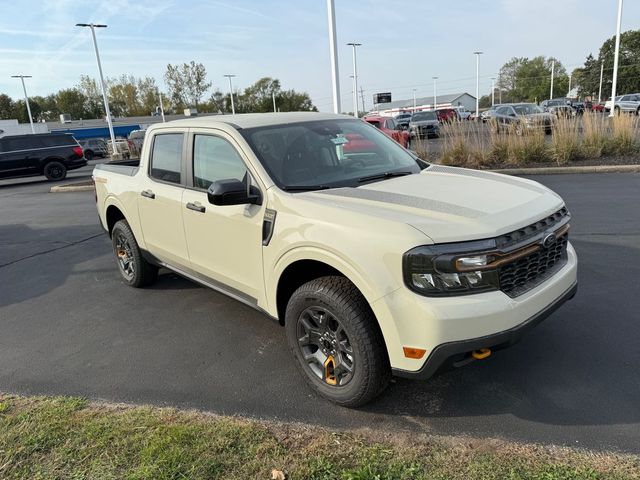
x: 250, y: 120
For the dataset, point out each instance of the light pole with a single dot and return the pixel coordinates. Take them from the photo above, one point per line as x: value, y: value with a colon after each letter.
x: 414, y: 100
x: 600, y: 88
x: 273, y: 97
x: 26, y: 98
x: 477, y: 54
x: 233, y: 107
x: 553, y: 67
x: 355, y: 79
x: 493, y: 91
x: 333, y: 49
x: 615, y: 60
x: 569, y: 92
x: 161, y: 105
x: 435, y: 92
x: 93, y: 26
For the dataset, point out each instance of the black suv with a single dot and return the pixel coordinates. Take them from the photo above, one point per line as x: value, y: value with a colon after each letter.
x: 48, y: 154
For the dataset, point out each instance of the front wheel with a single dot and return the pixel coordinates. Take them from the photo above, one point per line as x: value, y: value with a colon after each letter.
x: 135, y: 270
x: 336, y: 341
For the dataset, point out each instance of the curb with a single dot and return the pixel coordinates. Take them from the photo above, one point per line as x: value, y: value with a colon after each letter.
x: 71, y: 188
x: 561, y: 170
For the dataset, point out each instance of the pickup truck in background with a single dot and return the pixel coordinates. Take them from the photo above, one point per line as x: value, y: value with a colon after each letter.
x: 375, y: 262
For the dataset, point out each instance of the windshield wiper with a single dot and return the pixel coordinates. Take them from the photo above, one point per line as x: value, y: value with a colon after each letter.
x: 383, y: 176
x: 305, y: 188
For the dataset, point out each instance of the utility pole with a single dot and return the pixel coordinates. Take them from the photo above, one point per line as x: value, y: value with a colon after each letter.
x: 335, y: 81
x: 615, y: 61
x: 355, y: 79
x: 600, y: 88
x: 500, y: 88
x: 102, y: 85
x: 553, y: 66
x: 569, y: 92
x: 435, y: 92
x: 161, y: 105
x: 477, y: 54
x: 26, y: 99
x: 414, y: 100
x: 233, y: 107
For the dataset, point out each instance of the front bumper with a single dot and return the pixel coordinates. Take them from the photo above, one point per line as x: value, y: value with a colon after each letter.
x: 446, y: 326
x: 448, y: 352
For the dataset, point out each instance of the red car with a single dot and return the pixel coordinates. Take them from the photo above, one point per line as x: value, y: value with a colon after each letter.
x: 388, y: 126
x: 447, y: 115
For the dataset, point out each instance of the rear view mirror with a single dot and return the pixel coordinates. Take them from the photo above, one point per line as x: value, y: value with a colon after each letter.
x: 232, y: 192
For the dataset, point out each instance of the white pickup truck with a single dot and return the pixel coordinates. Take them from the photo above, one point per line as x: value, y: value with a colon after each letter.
x: 376, y: 262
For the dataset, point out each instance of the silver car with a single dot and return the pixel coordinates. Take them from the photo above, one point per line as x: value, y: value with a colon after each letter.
x: 629, y: 103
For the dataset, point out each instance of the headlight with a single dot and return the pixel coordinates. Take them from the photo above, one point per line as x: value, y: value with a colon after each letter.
x: 446, y: 270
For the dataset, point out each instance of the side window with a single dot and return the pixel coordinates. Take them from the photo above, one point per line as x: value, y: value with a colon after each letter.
x: 215, y: 159
x: 391, y: 125
x: 166, y: 157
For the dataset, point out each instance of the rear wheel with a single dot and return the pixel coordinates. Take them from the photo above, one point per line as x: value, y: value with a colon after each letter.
x: 88, y: 154
x: 336, y: 341
x: 55, y: 171
x: 616, y: 111
x: 135, y: 270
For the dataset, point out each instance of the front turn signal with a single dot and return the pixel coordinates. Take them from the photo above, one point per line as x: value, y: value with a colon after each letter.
x: 411, y: 352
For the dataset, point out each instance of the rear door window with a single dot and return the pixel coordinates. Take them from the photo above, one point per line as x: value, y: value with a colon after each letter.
x: 166, y: 157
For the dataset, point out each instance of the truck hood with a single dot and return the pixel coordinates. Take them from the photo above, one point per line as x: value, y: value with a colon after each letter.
x: 450, y: 204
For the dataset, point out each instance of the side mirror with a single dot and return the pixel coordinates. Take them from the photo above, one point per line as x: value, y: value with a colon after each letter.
x: 232, y: 192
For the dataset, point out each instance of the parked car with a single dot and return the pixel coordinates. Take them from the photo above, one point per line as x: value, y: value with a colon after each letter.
x: 388, y: 126
x: 447, y: 115
x: 521, y: 117
x: 546, y: 104
x: 376, y: 265
x: 424, y: 125
x: 597, y: 107
x: 124, y: 148
x: 625, y: 103
x: 403, y: 119
x: 94, y: 147
x: 136, y: 138
x: 48, y: 154
x: 563, y: 111
x: 463, y: 113
x: 488, y: 114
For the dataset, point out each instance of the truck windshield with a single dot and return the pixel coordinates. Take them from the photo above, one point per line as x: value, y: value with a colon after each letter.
x: 424, y: 116
x: 327, y: 154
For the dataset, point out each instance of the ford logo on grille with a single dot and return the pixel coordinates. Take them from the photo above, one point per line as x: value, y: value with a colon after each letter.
x: 549, y: 240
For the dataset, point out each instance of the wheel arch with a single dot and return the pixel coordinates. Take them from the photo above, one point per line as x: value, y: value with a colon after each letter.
x: 48, y: 160
x: 113, y: 214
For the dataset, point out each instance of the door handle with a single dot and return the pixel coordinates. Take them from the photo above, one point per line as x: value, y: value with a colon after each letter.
x: 148, y: 194
x: 196, y: 207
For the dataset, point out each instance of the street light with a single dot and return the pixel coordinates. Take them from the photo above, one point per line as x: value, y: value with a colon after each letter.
x: 333, y: 50
x: 435, y: 92
x: 355, y: 79
x: 161, y: 105
x: 414, y: 100
x: 477, y: 54
x: 26, y: 98
x: 493, y: 91
x: 93, y: 26
x: 600, y: 87
x: 553, y: 67
x: 615, y: 60
x: 233, y: 108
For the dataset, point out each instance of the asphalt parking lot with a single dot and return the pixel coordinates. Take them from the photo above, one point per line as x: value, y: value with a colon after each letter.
x: 69, y: 326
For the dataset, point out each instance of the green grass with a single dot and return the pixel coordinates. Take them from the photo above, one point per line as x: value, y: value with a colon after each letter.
x: 69, y: 438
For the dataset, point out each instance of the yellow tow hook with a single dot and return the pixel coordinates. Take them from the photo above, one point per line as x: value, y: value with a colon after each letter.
x: 481, y: 354
x: 330, y: 371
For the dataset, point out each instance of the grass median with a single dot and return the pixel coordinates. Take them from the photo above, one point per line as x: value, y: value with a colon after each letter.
x: 43, y: 437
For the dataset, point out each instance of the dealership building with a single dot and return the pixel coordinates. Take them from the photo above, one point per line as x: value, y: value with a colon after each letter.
x: 464, y: 100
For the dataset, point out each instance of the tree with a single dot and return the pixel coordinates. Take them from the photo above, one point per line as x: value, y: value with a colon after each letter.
x: 7, y: 107
x: 93, y: 104
x: 529, y: 80
x: 123, y: 96
x: 147, y: 95
x: 258, y: 98
x: 628, y: 67
x: 187, y: 84
x: 71, y: 101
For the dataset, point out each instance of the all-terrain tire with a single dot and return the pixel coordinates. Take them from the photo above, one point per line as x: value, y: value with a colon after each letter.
x: 371, y: 370
x: 124, y: 243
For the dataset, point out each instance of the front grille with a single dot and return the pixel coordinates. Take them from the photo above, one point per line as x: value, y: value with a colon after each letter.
x: 526, y: 273
x: 522, y: 234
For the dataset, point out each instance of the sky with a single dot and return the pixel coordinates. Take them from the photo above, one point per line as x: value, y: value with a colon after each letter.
x: 405, y: 43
